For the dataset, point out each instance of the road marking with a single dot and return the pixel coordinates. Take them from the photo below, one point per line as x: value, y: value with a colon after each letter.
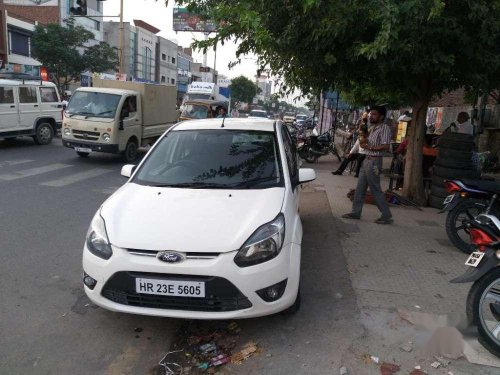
x: 8, y: 163
x: 68, y: 180
x: 33, y: 171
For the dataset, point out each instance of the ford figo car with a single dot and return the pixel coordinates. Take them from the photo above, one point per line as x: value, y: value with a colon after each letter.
x: 207, y: 226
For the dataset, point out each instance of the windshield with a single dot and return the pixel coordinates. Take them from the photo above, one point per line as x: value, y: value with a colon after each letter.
x: 195, y: 111
x: 258, y: 114
x: 290, y: 114
x: 198, y: 96
x: 301, y: 117
x: 225, y: 159
x: 95, y: 104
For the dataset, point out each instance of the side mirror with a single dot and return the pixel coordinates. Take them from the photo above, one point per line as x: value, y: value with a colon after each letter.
x: 124, y: 114
x: 306, y: 175
x: 127, y: 170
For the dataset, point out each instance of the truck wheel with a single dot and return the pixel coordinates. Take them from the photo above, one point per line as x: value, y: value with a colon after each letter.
x: 130, y: 153
x: 44, y: 134
x: 82, y: 154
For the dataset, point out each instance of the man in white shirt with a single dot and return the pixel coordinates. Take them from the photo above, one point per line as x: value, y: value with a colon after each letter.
x: 463, y: 124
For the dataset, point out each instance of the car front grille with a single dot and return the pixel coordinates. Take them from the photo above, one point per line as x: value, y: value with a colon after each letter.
x: 86, y: 135
x: 220, y: 294
x: 190, y: 255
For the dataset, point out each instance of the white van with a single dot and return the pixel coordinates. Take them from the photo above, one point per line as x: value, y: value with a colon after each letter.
x: 29, y: 107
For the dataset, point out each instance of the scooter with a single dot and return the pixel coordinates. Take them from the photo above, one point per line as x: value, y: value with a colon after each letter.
x: 483, y: 300
x: 466, y: 200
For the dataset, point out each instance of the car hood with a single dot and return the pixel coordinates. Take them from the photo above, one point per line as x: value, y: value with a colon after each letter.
x: 187, y: 220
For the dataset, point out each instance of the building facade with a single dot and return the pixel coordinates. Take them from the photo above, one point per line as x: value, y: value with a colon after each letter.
x: 184, y: 71
x: 166, y: 57
x: 93, y: 21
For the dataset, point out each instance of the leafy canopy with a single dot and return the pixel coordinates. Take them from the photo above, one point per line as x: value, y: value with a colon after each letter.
x: 243, y: 90
x: 62, y: 50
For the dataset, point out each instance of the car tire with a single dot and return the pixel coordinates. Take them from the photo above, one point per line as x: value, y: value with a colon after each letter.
x: 455, y: 163
x: 44, y: 134
x: 448, y: 153
x: 82, y: 154
x: 455, y: 173
x: 467, y: 146
x: 292, y: 310
x: 438, y: 181
x: 130, y: 153
x: 436, y: 202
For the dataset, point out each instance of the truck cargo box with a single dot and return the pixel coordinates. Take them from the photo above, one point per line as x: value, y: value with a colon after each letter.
x: 158, y: 101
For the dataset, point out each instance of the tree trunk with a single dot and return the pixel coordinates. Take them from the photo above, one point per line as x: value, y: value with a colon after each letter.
x: 414, y: 181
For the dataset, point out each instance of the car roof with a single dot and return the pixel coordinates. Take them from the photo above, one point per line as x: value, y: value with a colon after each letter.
x: 261, y: 124
x: 26, y: 82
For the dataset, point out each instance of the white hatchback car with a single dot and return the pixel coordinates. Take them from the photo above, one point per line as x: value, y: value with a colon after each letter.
x: 207, y: 227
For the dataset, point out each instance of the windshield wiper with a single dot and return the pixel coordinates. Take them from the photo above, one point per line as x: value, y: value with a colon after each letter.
x: 102, y: 113
x: 192, y: 185
x: 255, y: 181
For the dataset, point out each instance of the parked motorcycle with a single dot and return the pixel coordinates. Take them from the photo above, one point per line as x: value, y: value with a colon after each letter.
x: 483, y: 300
x: 466, y: 200
x: 316, y: 146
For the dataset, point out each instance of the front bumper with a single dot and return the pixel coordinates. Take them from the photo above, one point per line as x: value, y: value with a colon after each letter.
x: 96, y: 147
x: 230, y: 290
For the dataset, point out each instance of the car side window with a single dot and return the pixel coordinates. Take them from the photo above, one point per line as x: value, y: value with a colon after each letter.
x: 48, y: 95
x: 27, y: 95
x: 290, y: 152
x: 6, y: 95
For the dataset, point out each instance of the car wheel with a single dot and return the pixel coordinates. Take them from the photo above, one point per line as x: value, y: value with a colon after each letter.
x: 453, y: 173
x: 82, y: 154
x: 130, y: 153
x: 44, y: 134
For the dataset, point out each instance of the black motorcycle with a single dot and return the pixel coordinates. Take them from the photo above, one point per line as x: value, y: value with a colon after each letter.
x: 313, y: 147
x: 466, y: 200
x: 483, y: 300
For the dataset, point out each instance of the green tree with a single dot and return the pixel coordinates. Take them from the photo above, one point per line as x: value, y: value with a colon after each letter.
x: 62, y: 50
x: 243, y: 90
x: 411, y: 50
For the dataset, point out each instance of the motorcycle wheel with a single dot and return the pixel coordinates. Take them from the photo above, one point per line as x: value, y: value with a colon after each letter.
x: 308, y: 156
x: 483, y: 310
x: 457, y: 219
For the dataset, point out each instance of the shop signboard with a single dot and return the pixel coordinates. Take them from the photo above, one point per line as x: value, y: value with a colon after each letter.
x: 189, y: 21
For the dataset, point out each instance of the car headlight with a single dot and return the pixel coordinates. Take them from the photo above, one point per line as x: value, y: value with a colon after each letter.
x: 97, y: 238
x: 67, y: 132
x: 265, y: 244
x: 106, y: 137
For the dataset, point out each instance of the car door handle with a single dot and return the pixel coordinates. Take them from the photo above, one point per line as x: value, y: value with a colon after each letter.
x: 36, y: 105
x: 12, y: 106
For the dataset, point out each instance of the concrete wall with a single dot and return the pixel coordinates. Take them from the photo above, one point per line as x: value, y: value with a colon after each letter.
x: 167, y: 68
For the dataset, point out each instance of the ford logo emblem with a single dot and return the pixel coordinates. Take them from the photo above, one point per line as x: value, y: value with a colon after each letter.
x: 170, y: 257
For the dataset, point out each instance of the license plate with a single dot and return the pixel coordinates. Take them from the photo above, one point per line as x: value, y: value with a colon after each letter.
x: 175, y: 288
x: 474, y: 259
x: 83, y: 149
x: 448, y: 199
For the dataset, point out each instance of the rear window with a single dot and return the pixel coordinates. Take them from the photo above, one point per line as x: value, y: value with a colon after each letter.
x: 258, y: 113
x: 48, y: 95
x: 195, y: 111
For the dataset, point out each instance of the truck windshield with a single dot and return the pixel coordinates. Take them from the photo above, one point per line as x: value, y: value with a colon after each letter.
x: 195, y: 111
x: 95, y: 104
x: 213, y: 159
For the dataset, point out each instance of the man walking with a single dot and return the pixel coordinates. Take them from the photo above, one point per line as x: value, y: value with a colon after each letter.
x: 378, y: 141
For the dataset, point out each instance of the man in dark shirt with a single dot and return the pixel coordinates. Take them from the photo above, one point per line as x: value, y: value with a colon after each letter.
x: 378, y: 142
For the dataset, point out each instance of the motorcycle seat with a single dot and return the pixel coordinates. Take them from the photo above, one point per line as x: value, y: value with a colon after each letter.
x: 489, y: 186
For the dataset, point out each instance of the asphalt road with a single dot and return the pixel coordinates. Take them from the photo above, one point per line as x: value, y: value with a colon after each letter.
x: 48, y: 196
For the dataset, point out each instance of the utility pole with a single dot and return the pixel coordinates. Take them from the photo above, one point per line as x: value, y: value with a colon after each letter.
x: 120, y: 42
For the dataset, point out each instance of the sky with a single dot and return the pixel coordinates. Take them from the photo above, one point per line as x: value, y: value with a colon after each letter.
x: 155, y: 13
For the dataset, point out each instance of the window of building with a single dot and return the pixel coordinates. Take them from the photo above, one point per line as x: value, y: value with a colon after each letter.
x: 173, y: 60
x: 6, y: 95
x: 162, y: 79
x: 99, y: 7
x: 19, y: 42
x: 172, y: 81
x: 163, y: 57
x: 48, y: 95
x: 27, y: 95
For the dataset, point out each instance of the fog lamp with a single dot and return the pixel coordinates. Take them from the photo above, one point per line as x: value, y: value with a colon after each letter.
x: 89, y: 281
x: 273, y: 292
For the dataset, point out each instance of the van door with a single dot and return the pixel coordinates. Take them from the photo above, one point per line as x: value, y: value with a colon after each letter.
x: 50, y: 106
x: 29, y: 108
x: 9, y: 117
x: 132, y: 124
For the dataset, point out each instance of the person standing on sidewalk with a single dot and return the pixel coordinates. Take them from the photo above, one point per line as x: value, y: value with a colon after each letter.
x: 378, y: 142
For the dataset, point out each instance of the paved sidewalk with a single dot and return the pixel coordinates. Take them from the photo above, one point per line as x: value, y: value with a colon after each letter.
x: 407, y: 266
